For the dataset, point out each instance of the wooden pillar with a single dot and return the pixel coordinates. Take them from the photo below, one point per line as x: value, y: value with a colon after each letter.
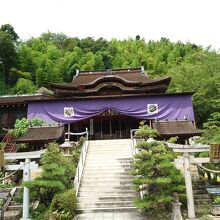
x: 119, y: 125
x: 110, y: 124
x: 189, y: 189
x: 150, y: 123
x: 68, y: 132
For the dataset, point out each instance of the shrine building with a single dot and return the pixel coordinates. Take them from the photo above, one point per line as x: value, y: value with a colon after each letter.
x: 109, y: 103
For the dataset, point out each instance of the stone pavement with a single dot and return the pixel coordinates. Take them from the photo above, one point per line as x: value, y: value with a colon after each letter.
x: 110, y: 216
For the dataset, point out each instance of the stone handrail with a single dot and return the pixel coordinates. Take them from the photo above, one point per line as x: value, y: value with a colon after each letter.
x: 133, y: 142
x: 81, y: 163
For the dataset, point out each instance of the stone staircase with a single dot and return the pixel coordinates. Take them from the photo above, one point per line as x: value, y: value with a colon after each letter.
x: 106, y: 183
x: 14, y: 208
x: 201, y: 196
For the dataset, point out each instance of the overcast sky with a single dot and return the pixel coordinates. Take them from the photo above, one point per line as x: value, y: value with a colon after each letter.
x: 197, y: 21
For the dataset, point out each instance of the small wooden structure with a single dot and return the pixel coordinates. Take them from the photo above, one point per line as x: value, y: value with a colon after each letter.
x: 38, y: 136
x: 215, y: 153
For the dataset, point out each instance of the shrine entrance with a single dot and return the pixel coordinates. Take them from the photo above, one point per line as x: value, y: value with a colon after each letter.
x: 107, y: 125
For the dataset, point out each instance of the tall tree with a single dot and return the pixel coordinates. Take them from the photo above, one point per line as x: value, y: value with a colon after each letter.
x: 8, y: 29
x: 8, y: 53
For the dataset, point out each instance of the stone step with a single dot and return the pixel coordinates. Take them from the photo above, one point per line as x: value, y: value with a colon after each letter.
x: 111, y: 169
x: 91, y: 161
x: 104, y: 156
x: 106, y: 172
x: 109, y: 149
x: 110, y: 156
x: 106, y: 183
x: 201, y: 196
x: 106, y: 162
x: 14, y: 203
x: 106, y: 178
x: 117, y: 154
x: 12, y: 215
x: 103, y: 164
x: 15, y: 207
x: 202, y: 207
x: 107, y: 141
x: 105, y: 193
x: 200, y: 191
x: 109, y: 166
x: 105, y: 189
x: 116, y: 209
x: 202, y: 201
x: 110, y: 146
x: 91, y: 199
x: 113, y: 204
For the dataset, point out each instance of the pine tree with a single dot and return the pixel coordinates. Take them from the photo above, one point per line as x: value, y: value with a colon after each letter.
x: 155, y: 174
x: 56, y: 175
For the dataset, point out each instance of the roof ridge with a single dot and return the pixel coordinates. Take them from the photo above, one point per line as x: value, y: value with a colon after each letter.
x: 109, y: 72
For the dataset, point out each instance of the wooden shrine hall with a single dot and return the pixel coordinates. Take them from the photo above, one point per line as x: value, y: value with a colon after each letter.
x: 109, y: 103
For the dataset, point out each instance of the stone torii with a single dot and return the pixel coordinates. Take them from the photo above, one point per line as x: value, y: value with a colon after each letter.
x: 185, y: 161
x: 27, y: 166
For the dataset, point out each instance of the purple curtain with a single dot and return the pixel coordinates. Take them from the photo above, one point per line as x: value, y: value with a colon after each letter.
x: 155, y: 107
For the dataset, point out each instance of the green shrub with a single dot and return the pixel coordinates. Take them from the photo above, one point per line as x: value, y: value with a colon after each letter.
x: 216, y: 200
x: 211, y: 129
x: 145, y: 131
x: 63, y: 206
x: 21, y: 126
x: 41, y: 212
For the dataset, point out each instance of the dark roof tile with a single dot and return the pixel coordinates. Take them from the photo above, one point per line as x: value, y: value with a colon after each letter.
x: 175, y: 128
x: 42, y: 134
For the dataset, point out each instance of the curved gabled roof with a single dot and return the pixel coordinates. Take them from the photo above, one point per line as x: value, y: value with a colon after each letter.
x: 132, y: 80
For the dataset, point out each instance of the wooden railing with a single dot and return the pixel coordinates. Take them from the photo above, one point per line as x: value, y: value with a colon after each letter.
x: 8, y: 141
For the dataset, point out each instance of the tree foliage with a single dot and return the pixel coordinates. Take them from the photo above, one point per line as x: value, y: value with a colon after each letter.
x: 211, y: 130
x: 63, y: 206
x: 21, y: 126
x: 8, y: 53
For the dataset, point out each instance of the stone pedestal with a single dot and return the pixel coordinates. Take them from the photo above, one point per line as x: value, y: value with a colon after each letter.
x: 176, y: 212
